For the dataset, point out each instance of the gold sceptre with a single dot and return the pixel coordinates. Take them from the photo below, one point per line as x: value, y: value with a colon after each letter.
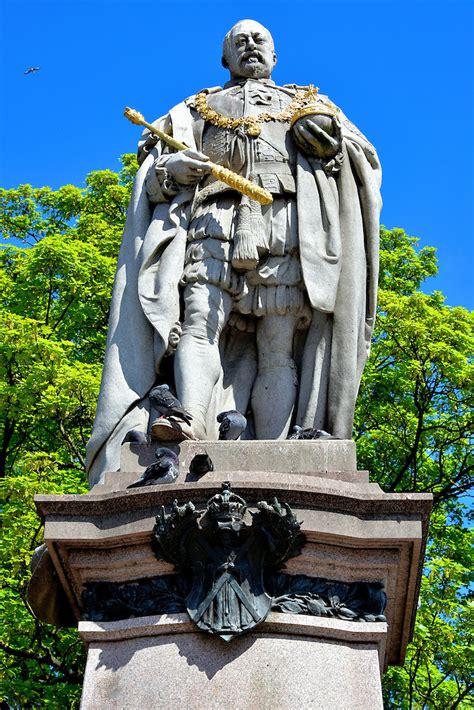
x: 237, y: 182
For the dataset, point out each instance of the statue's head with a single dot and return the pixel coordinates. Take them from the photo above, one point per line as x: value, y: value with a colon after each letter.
x: 248, y: 51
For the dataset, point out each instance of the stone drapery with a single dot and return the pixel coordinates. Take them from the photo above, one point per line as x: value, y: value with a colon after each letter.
x: 338, y: 243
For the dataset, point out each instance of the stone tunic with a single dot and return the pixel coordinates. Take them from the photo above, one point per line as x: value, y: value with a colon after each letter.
x: 275, y: 286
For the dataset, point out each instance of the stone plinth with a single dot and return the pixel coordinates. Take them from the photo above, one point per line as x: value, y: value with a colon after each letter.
x: 354, y: 533
x: 289, y: 662
x: 275, y: 456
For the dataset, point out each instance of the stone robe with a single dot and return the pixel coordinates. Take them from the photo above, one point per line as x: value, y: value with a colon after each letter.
x: 336, y: 252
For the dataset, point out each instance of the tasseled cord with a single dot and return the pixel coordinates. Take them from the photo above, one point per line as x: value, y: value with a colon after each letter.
x: 250, y: 238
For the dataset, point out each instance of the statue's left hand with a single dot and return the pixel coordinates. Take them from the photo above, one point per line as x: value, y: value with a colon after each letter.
x: 318, y: 135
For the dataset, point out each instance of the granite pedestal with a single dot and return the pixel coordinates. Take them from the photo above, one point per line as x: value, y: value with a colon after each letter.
x: 354, y: 533
x: 287, y: 663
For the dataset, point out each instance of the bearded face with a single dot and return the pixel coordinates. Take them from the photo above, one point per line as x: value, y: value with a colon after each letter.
x: 248, y: 51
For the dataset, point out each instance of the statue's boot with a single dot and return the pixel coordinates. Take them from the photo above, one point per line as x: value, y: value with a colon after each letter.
x: 168, y: 429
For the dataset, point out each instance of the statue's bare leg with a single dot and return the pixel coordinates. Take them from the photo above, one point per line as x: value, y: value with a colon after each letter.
x: 274, y: 392
x: 197, y: 361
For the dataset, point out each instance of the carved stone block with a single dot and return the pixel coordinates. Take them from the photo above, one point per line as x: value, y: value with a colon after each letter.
x: 354, y: 532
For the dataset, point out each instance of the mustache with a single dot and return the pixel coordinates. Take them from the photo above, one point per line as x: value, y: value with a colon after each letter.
x: 252, y: 53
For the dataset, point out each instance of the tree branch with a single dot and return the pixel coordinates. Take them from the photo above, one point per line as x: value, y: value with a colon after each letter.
x: 70, y: 442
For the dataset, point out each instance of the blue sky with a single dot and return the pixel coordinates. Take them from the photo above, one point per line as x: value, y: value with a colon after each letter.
x: 402, y: 71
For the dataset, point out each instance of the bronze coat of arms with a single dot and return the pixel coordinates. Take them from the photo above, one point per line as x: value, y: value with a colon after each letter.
x: 225, y: 558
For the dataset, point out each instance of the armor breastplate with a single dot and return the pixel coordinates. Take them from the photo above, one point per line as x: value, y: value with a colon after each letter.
x: 269, y: 158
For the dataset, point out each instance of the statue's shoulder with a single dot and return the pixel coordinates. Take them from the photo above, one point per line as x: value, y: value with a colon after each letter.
x: 300, y: 88
x: 323, y: 98
x: 309, y: 93
x: 326, y: 102
x: 296, y: 87
x: 190, y: 102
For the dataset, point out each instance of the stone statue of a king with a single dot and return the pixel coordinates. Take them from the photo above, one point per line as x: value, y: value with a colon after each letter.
x: 265, y: 309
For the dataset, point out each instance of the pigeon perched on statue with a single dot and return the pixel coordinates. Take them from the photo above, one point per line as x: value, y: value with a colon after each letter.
x: 232, y: 425
x: 164, y: 470
x: 135, y: 437
x: 299, y: 433
x: 200, y: 465
x: 167, y: 405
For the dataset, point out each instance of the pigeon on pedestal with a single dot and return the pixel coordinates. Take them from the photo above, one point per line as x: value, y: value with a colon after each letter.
x: 299, y: 433
x: 232, y: 425
x: 167, y: 405
x: 200, y: 465
x: 164, y: 470
x: 135, y: 437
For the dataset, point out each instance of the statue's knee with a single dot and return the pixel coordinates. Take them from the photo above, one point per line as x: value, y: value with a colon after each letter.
x: 203, y: 326
x: 204, y: 312
x: 275, y: 360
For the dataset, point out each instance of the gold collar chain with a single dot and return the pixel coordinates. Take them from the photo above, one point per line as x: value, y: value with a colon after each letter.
x: 252, y: 124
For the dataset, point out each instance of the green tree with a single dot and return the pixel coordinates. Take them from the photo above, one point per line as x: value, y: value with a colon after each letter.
x: 439, y: 664
x: 58, y: 265
x: 415, y: 411
x: 412, y: 424
x: 413, y: 428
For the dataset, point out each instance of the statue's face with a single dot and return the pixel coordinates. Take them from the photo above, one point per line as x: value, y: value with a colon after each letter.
x: 249, y: 51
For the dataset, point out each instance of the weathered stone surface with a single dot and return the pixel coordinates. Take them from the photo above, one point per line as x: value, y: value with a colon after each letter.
x: 354, y: 533
x: 290, y: 662
x: 331, y: 464
x: 318, y: 456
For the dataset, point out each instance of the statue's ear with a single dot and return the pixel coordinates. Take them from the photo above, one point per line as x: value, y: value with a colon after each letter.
x: 274, y: 59
x: 225, y: 63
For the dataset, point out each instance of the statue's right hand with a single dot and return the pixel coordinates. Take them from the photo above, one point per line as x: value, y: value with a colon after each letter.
x: 187, y: 167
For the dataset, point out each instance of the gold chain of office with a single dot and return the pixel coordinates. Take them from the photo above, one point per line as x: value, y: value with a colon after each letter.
x: 252, y: 124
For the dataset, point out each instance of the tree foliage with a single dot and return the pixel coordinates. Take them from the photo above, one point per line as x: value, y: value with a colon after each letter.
x: 439, y: 665
x: 412, y: 424
x: 58, y: 264
x: 415, y: 410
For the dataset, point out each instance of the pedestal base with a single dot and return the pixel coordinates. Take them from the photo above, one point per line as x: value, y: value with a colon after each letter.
x: 355, y: 535
x: 290, y: 662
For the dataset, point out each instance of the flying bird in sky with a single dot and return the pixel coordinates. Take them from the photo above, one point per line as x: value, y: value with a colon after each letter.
x: 31, y: 70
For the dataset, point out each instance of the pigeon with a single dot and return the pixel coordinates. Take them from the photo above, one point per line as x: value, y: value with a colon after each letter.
x: 201, y: 464
x: 167, y: 405
x: 31, y: 70
x: 164, y: 470
x: 135, y: 437
x: 299, y: 433
x: 232, y: 424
